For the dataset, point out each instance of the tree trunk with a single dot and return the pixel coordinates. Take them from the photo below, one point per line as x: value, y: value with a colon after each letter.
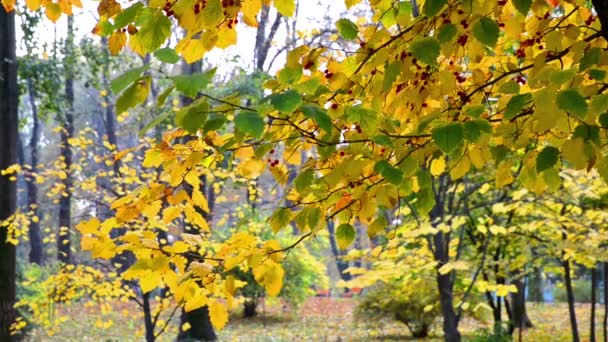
x: 570, y: 294
x: 65, y: 202
x: 201, y: 327
x: 148, y: 318
x: 340, y: 264
x: 535, y: 288
x: 445, y: 282
x: 593, y: 300
x: 36, y: 253
x: 520, y: 316
x: 8, y: 156
x: 605, y: 323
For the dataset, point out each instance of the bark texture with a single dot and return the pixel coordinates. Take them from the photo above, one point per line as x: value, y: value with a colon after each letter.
x: 8, y: 156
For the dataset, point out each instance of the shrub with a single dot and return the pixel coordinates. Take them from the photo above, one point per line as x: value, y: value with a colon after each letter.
x: 415, y: 303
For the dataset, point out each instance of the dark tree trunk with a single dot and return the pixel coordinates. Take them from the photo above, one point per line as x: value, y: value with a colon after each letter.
x: 520, y: 317
x: 338, y: 254
x: 201, y: 330
x: 36, y: 252
x: 570, y: 294
x: 250, y: 307
x: 64, y: 253
x: 535, y: 288
x: 201, y: 327
x: 148, y: 318
x: 8, y: 156
x: 593, y: 300
x: 605, y: 322
x: 445, y: 282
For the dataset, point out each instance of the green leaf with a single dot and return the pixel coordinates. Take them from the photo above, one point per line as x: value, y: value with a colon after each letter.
x: 474, y: 111
x: 426, y: 50
x: 167, y: 55
x: 194, y: 116
x: 473, y: 130
x: 377, y: 227
x: 591, y: 57
x: 547, y: 158
x: 319, y: 115
x: 432, y: 7
x: 390, y: 173
x: 162, y: 98
x: 390, y: 74
x: 448, y: 137
x: 214, y: 122
x: 127, y: 16
x: 599, y: 103
x: 572, y: 102
x: 250, y: 123
x: 125, y: 80
x: 587, y: 132
x: 522, y: 6
x: 603, y: 120
x: 347, y: 29
x: 366, y: 118
x: 313, y: 217
x: 286, y: 102
x: 279, y: 219
x: 516, y: 104
x: 190, y: 85
x: 345, y: 235
x: 597, y: 75
x: 155, y: 29
x: 510, y: 87
x: 447, y: 32
x: 383, y: 140
x: 304, y: 180
x: 134, y: 95
x: 486, y: 31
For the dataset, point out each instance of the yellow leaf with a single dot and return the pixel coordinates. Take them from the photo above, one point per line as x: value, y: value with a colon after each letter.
x: 89, y: 227
x: 53, y: 11
x: 250, y: 11
x: 218, y: 314
x: 180, y: 247
x: 270, y: 275
x: 226, y: 38
x: 186, y: 326
x: 191, y: 50
x: 285, y: 7
x: 438, y: 166
x: 251, y: 168
x: 351, y: 3
x: 200, y: 201
x: 170, y: 214
x: 9, y: 5
x: 33, y: 5
x: 149, y: 281
x: 117, y: 42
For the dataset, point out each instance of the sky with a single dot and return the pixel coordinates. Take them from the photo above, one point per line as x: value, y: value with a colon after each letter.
x: 310, y: 15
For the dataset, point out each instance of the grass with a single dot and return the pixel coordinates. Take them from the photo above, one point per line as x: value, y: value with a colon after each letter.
x: 319, y: 319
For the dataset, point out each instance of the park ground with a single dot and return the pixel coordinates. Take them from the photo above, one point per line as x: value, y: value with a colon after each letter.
x: 319, y: 319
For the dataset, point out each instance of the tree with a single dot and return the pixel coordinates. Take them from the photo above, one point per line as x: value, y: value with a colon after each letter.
x: 402, y: 111
x: 8, y: 195
x: 64, y: 252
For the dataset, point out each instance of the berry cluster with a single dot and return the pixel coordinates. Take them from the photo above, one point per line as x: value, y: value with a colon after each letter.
x: 167, y: 8
x: 530, y: 42
x: 199, y: 6
x: 272, y: 162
